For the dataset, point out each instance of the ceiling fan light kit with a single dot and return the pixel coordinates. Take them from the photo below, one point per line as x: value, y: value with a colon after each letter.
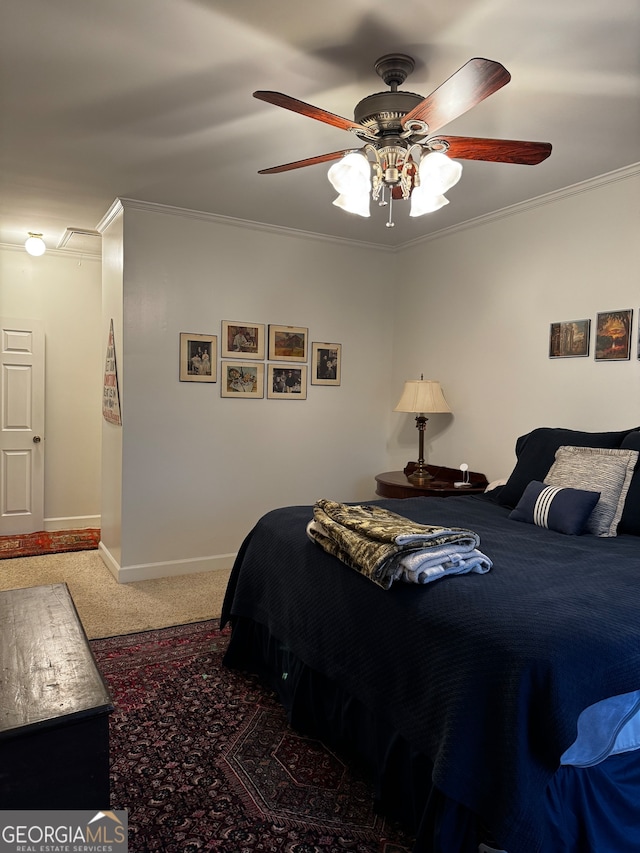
x: 400, y: 159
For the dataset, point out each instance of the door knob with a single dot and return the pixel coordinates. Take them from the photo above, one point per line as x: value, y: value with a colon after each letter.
x: 36, y: 439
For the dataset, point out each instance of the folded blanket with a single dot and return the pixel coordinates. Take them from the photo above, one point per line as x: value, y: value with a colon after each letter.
x: 424, y: 566
x: 374, y: 541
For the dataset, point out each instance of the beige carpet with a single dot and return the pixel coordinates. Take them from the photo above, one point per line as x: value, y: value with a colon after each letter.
x: 108, y: 608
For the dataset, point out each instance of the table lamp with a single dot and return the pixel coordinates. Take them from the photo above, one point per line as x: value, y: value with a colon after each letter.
x: 422, y: 397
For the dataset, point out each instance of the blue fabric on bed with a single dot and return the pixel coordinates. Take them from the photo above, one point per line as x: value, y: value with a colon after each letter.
x: 485, y: 674
x: 608, y: 820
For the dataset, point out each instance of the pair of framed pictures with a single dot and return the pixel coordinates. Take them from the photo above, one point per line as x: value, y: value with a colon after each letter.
x: 571, y: 339
x: 247, y: 341
x: 246, y: 380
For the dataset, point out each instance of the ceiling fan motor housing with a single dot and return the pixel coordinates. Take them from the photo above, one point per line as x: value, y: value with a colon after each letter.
x: 383, y: 112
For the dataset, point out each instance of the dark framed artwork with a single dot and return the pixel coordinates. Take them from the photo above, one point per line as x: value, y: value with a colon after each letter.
x: 242, y: 340
x: 326, y: 363
x: 569, y: 339
x: 243, y: 380
x: 198, y: 355
x: 287, y: 382
x: 613, y: 335
x: 288, y: 343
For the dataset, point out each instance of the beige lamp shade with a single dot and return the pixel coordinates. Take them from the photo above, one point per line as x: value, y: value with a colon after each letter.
x: 422, y: 396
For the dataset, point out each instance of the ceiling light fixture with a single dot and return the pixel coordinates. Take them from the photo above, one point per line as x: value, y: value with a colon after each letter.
x: 399, y: 159
x: 419, y: 172
x: 35, y: 245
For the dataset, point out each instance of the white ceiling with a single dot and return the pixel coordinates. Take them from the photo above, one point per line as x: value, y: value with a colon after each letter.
x: 152, y: 100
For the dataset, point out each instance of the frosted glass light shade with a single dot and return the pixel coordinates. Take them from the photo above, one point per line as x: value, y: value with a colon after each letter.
x: 351, y: 178
x: 423, y: 201
x: 422, y: 396
x: 438, y: 173
x: 35, y: 245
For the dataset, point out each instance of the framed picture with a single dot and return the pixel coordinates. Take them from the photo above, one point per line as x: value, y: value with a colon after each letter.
x: 242, y: 340
x: 198, y: 355
x: 326, y: 363
x: 613, y: 335
x: 242, y: 379
x: 569, y: 339
x: 287, y: 383
x: 287, y: 343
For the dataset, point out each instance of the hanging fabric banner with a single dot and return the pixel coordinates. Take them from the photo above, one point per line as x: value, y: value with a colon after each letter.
x: 110, y: 393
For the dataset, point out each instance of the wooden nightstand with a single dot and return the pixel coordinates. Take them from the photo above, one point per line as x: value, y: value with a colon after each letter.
x: 394, y: 484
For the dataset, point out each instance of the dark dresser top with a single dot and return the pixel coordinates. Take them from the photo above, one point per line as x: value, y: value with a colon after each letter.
x: 47, y: 669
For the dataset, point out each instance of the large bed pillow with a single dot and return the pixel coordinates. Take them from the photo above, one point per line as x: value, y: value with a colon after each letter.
x: 630, y: 521
x: 536, y: 451
x: 561, y: 509
x: 596, y: 469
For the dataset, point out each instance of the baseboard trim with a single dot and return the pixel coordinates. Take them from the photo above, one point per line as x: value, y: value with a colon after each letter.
x: 171, y: 568
x: 76, y: 522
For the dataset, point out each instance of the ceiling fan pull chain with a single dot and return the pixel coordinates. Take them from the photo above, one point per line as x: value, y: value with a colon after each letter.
x: 390, y: 223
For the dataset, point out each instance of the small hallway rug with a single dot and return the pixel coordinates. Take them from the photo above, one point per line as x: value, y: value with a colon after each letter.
x: 204, y: 760
x: 53, y: 542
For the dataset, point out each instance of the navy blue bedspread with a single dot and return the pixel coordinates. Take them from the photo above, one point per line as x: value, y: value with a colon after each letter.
x: 485, y: 674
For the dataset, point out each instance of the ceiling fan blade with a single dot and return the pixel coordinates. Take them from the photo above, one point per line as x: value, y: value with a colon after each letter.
x: 472, y: 83
x: 310, y: 161
x: 496, y: 150
x: 289, y: 103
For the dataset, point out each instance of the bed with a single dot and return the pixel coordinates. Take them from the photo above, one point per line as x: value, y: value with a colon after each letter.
x: 497, y: 710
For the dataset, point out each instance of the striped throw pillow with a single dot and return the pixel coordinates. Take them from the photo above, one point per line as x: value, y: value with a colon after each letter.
x: 564, y: 510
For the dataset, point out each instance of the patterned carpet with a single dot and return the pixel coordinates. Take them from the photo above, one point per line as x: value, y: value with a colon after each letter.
x: 54, y: 542
x: 203, y: 758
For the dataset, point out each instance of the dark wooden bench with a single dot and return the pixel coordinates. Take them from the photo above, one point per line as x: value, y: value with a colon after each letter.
x: 54, y: 705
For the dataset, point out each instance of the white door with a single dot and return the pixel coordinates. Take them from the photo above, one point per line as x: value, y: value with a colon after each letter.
x: 21, y: 426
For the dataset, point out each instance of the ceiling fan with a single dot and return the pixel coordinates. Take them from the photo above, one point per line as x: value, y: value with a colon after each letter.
x: 402, y: 152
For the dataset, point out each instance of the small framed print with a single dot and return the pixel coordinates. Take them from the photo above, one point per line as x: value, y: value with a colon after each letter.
x: 326, y: 363
x: 198, y: 355
x: 242, y: 379
x: 287, y: 343
x: 287, y: 383
x: 242, y: 340
x: 613, y: 335
x: 569, y: 339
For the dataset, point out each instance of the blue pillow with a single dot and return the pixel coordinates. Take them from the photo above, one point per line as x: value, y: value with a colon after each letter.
x: 561, y: 509
x: 630, y: 521
x: 536, y: 452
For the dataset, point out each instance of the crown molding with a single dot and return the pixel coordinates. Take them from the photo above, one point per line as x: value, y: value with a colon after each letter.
x: 78, y: 254
x: 186, y: 213
x: 530, y: 204
x: 123, y: 204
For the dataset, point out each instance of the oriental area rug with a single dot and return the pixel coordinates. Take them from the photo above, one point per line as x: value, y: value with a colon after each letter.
x: 52, y: 542
x: 203, y: 758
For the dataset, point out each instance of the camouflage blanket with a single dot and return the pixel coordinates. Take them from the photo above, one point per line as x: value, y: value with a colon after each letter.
x: 386, y: 547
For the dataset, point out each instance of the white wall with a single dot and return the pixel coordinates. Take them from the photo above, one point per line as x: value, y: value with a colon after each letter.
x: 471, y: 308
x: 62, y: 289
x: 475, y: 313
x: 198, y: 470
x: 112, y: 435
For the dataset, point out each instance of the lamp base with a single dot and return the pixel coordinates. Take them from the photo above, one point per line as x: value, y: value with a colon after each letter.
x: 417, y: 474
